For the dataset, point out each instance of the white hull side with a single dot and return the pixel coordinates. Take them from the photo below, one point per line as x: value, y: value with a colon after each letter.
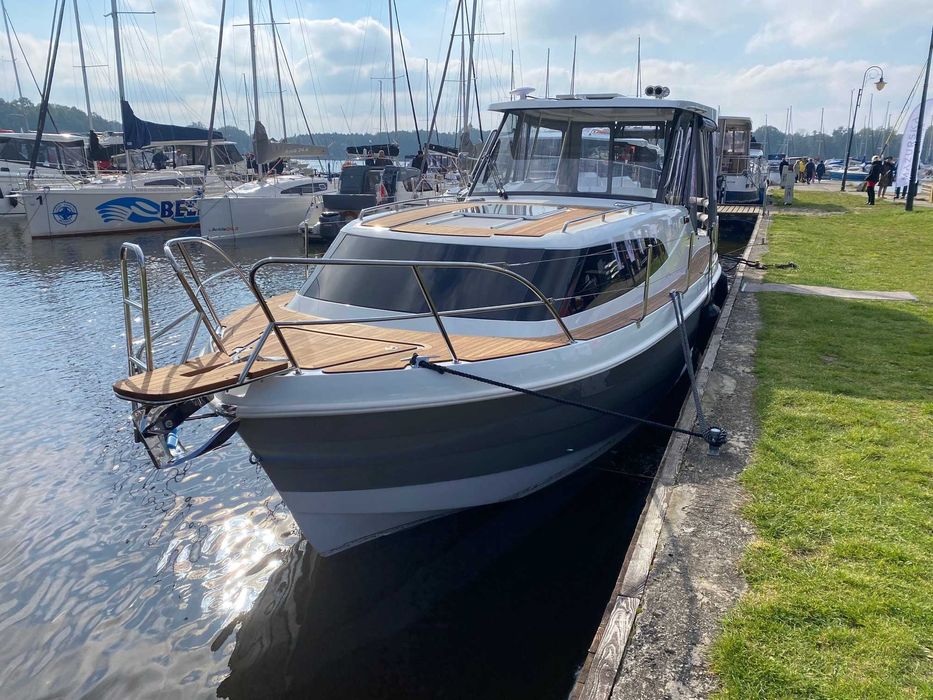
x: 231, y: 217
x: 336, y: 520
x: 56, y: 213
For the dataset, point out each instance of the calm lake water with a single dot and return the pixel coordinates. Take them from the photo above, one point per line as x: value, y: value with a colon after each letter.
x: 121, y: 581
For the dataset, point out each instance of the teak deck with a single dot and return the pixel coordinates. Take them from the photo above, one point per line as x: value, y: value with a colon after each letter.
x: 342, y: 347
x: 418, y: 220
x: 351, y: 347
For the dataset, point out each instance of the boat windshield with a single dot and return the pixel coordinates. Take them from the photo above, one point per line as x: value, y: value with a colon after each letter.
x: 574, y: 280
x: 535, y: 151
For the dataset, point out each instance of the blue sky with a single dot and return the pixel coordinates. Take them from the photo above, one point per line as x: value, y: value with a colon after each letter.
x: 754, y: 58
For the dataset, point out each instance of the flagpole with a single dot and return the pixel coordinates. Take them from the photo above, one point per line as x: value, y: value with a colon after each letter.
x: 915, y: 161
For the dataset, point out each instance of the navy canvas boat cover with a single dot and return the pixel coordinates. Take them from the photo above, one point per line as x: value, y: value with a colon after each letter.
x: 138, y: 133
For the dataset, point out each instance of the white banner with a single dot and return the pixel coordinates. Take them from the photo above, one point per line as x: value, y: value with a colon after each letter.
x: 908, y: 144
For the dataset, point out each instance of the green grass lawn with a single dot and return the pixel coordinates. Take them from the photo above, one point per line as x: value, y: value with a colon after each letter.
x: 840, y: 603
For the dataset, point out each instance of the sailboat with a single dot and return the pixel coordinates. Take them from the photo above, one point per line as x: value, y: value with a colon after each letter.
x: 275, y: 203
x: 136, y: 201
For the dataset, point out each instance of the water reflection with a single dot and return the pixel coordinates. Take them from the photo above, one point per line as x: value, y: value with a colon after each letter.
x: 499, y: 601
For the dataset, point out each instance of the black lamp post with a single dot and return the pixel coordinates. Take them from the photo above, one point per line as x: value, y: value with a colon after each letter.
x: 858, y: 100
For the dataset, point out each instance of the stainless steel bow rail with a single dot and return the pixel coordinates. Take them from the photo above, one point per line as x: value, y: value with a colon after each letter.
x: 156, y: 422
x: 416, y: 267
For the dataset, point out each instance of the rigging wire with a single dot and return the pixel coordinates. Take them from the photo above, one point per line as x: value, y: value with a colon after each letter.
x: 411, y: 98
x: 315, y: 86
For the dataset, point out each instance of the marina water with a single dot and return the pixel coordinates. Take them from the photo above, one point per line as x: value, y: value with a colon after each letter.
x: 119, y: 580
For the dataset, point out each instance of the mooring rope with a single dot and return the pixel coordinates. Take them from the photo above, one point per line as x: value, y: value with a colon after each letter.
x: 757, y: 264
x: 714, y: 436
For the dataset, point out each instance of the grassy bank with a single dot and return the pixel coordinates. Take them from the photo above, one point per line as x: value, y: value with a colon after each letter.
x: 840, y: 603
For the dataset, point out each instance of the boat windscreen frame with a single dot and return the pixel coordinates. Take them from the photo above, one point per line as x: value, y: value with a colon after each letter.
x: 682, y: 122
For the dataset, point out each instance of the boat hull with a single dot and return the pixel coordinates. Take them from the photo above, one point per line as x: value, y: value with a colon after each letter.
x: 230, y: 217
x: 348, y: 478
x: 57, y: 213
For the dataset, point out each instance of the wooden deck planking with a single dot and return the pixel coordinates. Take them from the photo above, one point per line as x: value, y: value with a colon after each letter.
x: 739, y: 209
x: 353, y: 347
x: 413, y: 221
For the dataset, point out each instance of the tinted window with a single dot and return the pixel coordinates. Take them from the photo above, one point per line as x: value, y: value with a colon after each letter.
x: 307, y: 188
x: 574, y: 280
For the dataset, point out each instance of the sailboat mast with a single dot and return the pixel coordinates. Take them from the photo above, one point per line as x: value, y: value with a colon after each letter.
x: 87, y: 94
x: 278, y: 75
x: 119, y: 53
x: 119, y: 56
x: 512, y: 77
x: 9, y: 41
x: 392, y: 53
x: 547, y: 74
x: 573, y: 66
x: 471, y: 23
x: 46, y: 92
x: 210, y: 126
x: 252, y: 62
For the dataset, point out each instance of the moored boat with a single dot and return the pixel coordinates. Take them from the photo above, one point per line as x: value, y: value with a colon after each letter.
x: 561, y: 271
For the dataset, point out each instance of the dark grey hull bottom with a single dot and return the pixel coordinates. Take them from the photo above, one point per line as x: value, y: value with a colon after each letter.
x: 348, y: 478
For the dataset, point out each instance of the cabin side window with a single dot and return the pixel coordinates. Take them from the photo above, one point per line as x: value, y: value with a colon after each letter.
x: 607, y: 272
x: 306, y: 188
x: 574, y: 279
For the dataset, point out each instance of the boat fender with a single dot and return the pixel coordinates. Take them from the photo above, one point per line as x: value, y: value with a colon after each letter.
x: 171, y: 441
x: 711, y: 312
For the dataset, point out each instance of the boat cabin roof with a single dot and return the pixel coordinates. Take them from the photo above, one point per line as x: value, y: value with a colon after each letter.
x: 600, y: 108
x: 46, y: 138
x: 733, y: 122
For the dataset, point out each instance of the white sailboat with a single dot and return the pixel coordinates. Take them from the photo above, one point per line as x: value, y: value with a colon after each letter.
x: 157, y: 199
x: 276, y: 203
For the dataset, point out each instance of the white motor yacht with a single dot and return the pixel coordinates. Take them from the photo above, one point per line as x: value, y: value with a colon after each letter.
x: 563, y: 270
x: 743, y: 168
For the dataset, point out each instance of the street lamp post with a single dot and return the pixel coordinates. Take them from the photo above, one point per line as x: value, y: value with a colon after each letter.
x: 858, y: 100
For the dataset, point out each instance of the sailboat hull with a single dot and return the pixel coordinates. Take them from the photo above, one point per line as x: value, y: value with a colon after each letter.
x: 93, y: 210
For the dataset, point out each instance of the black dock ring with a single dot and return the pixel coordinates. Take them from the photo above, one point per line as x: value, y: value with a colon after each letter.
x: 711, y: 435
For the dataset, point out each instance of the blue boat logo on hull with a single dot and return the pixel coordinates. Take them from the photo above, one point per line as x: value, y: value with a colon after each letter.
x: 65, y: 213
x: 139, y: 210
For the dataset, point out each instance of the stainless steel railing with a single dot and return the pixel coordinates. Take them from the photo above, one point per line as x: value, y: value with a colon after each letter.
x: 416, y: 266
x: 405, y: 204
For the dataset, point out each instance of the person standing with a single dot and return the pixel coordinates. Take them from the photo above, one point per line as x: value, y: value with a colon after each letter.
x: 897, y: 190
x: 810, y: 170
x: 820, y: 171
x: 874, y: 175
x: 787, y: 182
x: 784, y: 164
x: 801, y: 170
x: 887, y: 168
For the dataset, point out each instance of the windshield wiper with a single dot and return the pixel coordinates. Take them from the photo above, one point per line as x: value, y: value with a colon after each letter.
x: 497, y: 179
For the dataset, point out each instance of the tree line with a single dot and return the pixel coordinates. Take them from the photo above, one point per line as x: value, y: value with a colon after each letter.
x: 865, y: 143
x: 23, y: 115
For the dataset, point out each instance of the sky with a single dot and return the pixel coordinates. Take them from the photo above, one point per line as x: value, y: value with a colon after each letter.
x: 756, y: 58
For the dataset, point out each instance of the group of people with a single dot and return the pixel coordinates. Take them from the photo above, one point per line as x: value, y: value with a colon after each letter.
x: 804, y: 170
x: 881, y: 173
